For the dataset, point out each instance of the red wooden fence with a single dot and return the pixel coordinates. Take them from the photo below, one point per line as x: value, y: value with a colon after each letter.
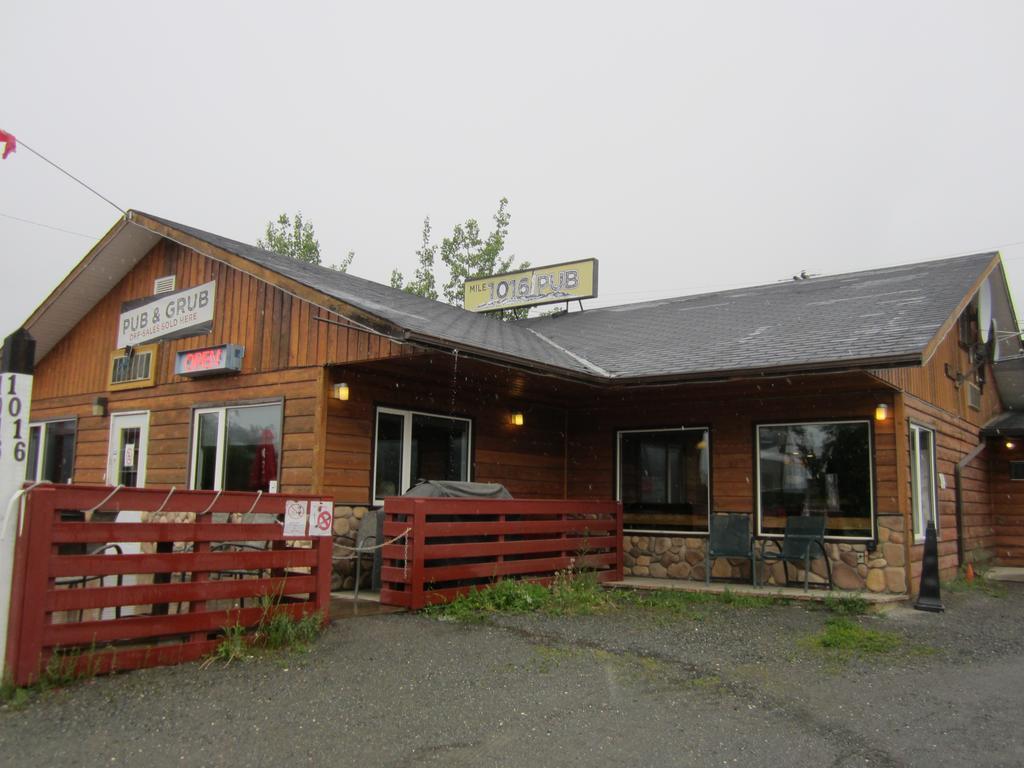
x: 68, y: 602
x: 454, y: 545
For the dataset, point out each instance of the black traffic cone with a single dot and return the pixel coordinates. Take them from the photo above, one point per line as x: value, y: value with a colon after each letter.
x: 928, y: 598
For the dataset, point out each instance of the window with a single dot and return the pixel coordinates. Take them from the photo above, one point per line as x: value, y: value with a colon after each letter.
x: 134, y: 370
x: 663, y: 480
x: 415, y: 446
x: 973, y: 395
x: 236, y: 448
x: 1017, y: 470
x: 816, y: 469
x: 922, y: 479
x: 51, y: 451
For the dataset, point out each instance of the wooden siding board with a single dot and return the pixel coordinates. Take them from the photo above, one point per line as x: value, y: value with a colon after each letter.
x: 248, y: 311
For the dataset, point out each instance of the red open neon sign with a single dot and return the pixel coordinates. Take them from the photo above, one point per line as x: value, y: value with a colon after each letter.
x: 225, y: 358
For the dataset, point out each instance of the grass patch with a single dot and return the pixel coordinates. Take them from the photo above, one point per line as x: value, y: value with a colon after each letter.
x: 570, y: 593
x: 847, y: 605
x: 845, y: 637
x: 979, y: 584
x: 505, y: 596
x: 63, y: 668
x: 277, y: 630
x: 574, y: 593
x: 691, y: 605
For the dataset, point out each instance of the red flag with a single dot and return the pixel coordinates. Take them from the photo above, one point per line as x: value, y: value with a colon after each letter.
x: 9, y: 144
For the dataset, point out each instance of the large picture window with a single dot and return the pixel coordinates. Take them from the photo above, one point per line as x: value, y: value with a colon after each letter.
x: 51, y: 451
x: 922, y: 479
x: 236, y: 448
x: 415, y: 446
x: 663, y: 480
x: 816, y: 469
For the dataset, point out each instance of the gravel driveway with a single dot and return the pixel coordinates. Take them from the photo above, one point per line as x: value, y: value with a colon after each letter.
x: 734, y: 687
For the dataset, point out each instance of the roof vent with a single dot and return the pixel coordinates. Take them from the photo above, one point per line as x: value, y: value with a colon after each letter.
x: 164, y: 284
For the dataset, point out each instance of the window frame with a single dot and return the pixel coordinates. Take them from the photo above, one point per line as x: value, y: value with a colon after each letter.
x: 222, y: 427
x: 919, y: 526
x: 152, y: 350
x: 406, y: 464
x: 618, y: 477
x: 871, y: 477
x: 41, y: 448
x: 1012, y: 463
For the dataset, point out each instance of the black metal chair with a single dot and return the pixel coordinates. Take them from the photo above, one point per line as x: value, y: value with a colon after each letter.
x: 802, y: 536
x: 729, y: 536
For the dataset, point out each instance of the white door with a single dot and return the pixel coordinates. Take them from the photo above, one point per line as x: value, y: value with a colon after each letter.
x: 126, y: 455
x: 126, y: 465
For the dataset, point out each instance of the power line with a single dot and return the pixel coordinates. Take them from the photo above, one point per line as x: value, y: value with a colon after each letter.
x: 48, y: 226
x: 71, y: 176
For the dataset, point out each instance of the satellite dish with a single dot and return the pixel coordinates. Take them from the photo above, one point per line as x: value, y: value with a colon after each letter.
x: 985, y: 310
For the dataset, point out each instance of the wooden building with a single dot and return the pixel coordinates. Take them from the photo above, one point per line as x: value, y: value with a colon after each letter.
x: 174, y: 357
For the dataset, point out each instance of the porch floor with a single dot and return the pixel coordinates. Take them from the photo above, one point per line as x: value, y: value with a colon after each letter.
x: 1005, y: 573
x: 717, y: 587
x: 345, y: 606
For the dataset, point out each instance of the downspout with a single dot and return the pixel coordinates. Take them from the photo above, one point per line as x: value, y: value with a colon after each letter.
x: 957, y: 474
x: 565, y: 453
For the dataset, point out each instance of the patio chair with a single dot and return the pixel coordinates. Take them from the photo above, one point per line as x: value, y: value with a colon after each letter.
x: 729, y: 536
x: 802, y: 541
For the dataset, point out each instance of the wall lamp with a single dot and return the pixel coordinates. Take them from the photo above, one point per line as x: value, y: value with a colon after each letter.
x: 99, y: 406
x: 516, y: 418
x: 881, y: 412
x: 340, y: 391
x: 1010, y: 444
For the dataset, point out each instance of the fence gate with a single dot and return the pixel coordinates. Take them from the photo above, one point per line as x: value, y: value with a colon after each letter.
x: 208, y: 560
x: 440, y: 548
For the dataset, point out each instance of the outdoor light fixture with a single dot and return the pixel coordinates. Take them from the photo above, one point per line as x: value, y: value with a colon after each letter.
x: 1010, y: 444
x: 99, y: 406
x: 341, y: 391
x: 881, y: 412
x: 516, y: 418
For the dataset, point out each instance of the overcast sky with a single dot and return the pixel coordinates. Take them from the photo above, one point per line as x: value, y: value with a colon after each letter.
x: 688, y: 146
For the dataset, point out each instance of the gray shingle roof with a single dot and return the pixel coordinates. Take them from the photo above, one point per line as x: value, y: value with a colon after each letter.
x: 877, y: 314
x: 842, y: 320
x: 416, y: 314
x: 1006, y: 424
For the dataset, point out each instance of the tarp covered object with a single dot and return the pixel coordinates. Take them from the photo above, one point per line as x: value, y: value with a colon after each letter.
x: 448, y: 489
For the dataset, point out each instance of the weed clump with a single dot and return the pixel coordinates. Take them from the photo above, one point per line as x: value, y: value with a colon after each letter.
x: 847, y: 605
x: 978, y: 584
x: 571, y: 593
x: 848, y: 638
x: 579, y: 593
x: 277, y: 630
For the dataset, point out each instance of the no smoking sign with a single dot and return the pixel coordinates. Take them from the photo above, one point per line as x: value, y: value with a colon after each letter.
x: 321, y: 518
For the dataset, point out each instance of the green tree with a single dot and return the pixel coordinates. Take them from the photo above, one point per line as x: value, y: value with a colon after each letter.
x: 467, y: 254
x: 423, y: 282
x: 295, y: 238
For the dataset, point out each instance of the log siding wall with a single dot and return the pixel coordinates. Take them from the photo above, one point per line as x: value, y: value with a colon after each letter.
x: 285, y: 351
x: 732, y: 414
x: 278, y: 331
x: 1007, y: 499
x: 528, y: 460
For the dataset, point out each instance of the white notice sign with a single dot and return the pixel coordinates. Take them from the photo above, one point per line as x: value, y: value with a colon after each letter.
x: 321, y: 518
x: 295, y: 517
x: 169, y: 316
